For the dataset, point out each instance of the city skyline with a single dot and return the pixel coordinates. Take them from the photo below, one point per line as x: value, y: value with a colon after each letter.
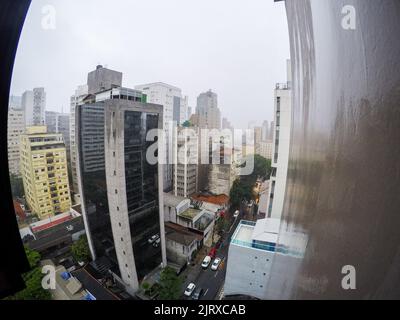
x: 222, y: 62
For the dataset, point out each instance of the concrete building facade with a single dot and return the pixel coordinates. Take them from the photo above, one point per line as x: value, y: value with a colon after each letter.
x: 121, y: 190
x: 15, y: 128
x: 175, y: 113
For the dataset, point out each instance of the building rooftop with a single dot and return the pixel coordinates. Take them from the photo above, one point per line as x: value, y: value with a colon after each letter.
x: 261, y: 235
x: 220, y: 199
x: 180, y: 234
x: 171, y: 200
x: 93, y: 286
x: 189, y: 213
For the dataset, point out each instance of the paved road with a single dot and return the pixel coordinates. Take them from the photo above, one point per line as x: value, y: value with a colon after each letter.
x: 212, y: 281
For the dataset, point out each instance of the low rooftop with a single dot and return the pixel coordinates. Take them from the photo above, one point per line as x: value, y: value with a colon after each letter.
x: 190, y: 213
x: 220, y: 199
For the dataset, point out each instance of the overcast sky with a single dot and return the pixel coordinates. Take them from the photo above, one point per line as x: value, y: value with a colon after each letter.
x: 237, y: 48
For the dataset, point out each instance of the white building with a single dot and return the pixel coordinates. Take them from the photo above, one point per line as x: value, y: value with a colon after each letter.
x: 250, y: 258
x: 265, y: 149
x: 175, y: 111
x: 185, y: 167
x: 209, y: 115
x: 15, y: 128
x: 280, y: 148
x: 34, y: 105
x: 80, y: 93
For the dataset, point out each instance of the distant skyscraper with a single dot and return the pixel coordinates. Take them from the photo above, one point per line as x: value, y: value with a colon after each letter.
x: 185, y: 167
x: 175, y: 111
x: 15, y: 128
x: 271, y: 131
x: 44, y: 171
x: 209, y: 116
x: 15, y: 102
x: 226, y: 124
x: 34, y: 105
x: 257, y: 138
x: 265, y: 130
x: 51, y: 121
x: 121, y: 192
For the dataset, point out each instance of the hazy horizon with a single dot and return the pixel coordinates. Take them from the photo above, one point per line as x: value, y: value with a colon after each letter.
x: 237, y: 49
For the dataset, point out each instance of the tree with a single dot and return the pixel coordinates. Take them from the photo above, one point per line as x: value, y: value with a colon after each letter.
x: 33, y: 280
x: 80, y: 250
x: 17, y: 186
x: 186, y: 124
x: 170, y: 285
x: 241, y: 190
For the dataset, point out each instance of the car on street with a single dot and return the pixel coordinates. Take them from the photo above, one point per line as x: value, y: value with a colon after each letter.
x: 206, y: 262
x: 198, y: 294
x: 156, y: 243
x: 189, y: 289
x: 153, y: 238
x: 215, y: 264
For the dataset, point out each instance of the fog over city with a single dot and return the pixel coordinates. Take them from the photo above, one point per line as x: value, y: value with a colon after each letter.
x: 237, y: 49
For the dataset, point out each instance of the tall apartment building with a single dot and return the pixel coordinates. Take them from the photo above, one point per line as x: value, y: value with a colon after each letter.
x: 280, y: 146
x: 80, y: 93
x: 44, y: 171
x: 15, y: 128
x: 57, y: 122
x: 102, y: 79
x: 265, y: 130
x: 174, y: 113
x: 209, y: 115
x: 15, y: 102
x: 34, y: 105
x: 265, y: 149
x: 185, y: 161
x: 121, y: 190
x: 257, y: 138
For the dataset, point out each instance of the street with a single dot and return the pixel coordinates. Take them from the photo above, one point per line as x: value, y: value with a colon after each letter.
x: 211, y: 281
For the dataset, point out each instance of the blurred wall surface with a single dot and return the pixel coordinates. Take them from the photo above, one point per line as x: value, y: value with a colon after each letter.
x: 342, y: 202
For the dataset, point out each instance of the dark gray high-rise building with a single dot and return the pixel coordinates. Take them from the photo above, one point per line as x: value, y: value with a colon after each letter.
x: 120, y: 189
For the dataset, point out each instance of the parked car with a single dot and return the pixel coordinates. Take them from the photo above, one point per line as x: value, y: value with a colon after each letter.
x: 215, y: 264
x: 198, y: 294
x: 153, y: 238
x: 206, y: 262
x: 189, y: 289
x: 156, y: 243
x: 212, y: 252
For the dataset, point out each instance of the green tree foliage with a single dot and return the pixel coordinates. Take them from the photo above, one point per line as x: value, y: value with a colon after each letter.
x: 170, y: 285
x: 17, y: 186
x: 242, y: 189
x: 33, y: 280
x: 186, y: 124
x: 80, y: 250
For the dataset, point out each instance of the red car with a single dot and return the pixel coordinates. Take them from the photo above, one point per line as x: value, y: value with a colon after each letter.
x: 213, y: 252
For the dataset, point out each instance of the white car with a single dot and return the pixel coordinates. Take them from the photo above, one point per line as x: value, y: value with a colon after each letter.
x: 215, y: 264
x: 153, y: 238
x: 206, y: 262
x: 189, y: 290
x: 156, y: 243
